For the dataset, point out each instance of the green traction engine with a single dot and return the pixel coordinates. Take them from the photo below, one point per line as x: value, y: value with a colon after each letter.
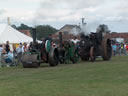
x: 40, y: 53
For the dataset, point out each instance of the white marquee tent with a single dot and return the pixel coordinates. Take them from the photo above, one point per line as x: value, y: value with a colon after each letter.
x: 7, y: 33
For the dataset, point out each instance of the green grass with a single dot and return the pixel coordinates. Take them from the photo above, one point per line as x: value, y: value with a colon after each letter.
x: 100, y: 78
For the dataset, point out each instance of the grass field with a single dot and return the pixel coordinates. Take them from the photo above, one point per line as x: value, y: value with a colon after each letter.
x: 100, y: 78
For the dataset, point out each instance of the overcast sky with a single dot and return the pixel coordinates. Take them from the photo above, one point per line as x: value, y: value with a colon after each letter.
x: 57, y: 13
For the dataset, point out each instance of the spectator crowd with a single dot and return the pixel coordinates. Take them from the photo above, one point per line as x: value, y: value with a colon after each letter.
x: 11, y: 58
x: 120, y: 49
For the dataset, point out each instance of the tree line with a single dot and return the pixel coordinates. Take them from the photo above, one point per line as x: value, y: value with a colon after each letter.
x: 42, y: 30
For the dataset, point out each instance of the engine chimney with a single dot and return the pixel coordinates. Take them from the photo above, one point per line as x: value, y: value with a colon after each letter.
x: 9, y: 23
x: 60, y: 39
x: 34, y: 35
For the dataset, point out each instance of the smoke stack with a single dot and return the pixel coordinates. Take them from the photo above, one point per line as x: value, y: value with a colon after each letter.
x: 34, y: 35
x: 9, y: 23
x: 60, y: 39
x: 83, y: 25
x: 82, y: 21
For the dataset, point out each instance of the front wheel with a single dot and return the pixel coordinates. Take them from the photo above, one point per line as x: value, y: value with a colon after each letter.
x: 53, y: 57
x: 106, y: 49
x: 30, y: 60
x: 92, y: 54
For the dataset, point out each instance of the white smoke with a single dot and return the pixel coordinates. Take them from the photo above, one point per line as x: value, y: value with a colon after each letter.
x: 75, y: 31
x: 86, y: 29
x: 103, y: 26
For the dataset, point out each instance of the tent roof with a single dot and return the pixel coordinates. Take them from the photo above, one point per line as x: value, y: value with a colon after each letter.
x: 7, y: 33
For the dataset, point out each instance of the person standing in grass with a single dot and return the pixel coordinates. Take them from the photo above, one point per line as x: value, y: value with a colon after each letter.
x: 127, y: 49
x: 75, y: 40
x: 1, y: 48
x: 19, y: 51
x: 7, y: 47
x: 125, y: 53
x: 119, y: 49
x: 25, y: 47
x: 114, y: 48
x: 9, y: 58
x: 122, y: 49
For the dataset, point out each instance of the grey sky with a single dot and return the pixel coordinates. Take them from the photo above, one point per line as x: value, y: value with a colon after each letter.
x: 60, y: 12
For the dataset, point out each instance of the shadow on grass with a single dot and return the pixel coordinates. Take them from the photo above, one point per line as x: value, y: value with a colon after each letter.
x: 98, y: 60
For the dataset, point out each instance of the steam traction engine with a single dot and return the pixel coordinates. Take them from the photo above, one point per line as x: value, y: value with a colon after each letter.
x: 40, y: 53
x: 67, y: 51
x: 96, y: 44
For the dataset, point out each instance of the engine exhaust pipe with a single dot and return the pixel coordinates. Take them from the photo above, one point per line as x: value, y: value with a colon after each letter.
x: 34, y: 35
x: 60, y: 39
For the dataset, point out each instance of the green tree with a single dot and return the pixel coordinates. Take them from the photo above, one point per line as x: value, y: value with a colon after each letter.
x: 44, y: 31
x: 14, y: 26
x: 24, y: 27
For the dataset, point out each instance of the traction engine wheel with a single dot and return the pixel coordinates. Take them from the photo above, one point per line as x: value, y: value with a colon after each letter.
x: 106, y: 49
x: 53, y: 57
x: 92, y: 54
x: 30, y: 61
